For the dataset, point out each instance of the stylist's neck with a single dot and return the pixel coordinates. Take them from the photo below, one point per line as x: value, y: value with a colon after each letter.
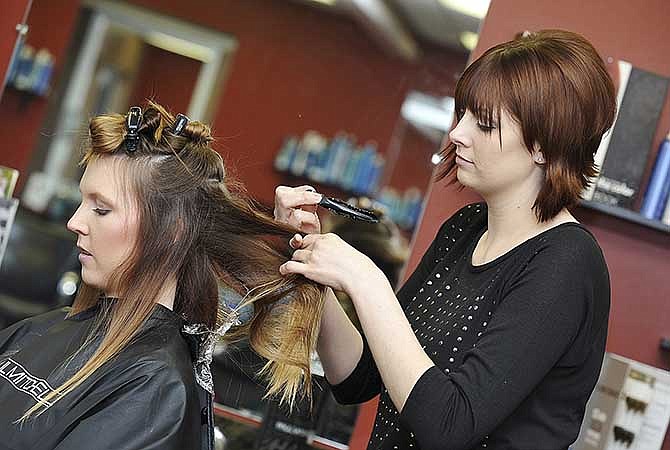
x: 510, y: 212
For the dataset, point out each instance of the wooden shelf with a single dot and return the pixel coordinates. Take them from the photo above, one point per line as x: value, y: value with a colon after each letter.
x: 626, y: 214
x: 325, y: 444
x: 239, y: 416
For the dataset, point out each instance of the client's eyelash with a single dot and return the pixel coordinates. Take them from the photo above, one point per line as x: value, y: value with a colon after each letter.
x: 100, y: 211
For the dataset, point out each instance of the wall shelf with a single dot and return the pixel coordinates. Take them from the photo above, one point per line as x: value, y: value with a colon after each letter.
x: 626, y: 214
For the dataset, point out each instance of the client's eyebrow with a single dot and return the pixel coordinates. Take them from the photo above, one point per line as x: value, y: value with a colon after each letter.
x: 96, y: 195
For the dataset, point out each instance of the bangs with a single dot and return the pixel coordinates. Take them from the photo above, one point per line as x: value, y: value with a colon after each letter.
x: 555, y: 86
x: 480, y: 91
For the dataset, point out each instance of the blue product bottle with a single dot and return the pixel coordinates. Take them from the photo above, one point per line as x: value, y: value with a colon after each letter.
x: 340, y: 160
x: 285, y: 156
x: 364, y: 170
x: 658, y: 189
x: 376, y: 175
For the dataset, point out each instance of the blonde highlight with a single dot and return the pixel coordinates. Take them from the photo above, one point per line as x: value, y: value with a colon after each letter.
x: 201, y: 228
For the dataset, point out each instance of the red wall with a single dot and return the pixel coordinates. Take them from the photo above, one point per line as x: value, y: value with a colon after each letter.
x: 297, y: 69
x: 173, y: 86
x: 12, y: 15
x: 638, y: 257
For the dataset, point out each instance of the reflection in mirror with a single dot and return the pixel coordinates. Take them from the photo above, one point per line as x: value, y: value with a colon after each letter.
x: 419, y: 132
x: 114, y: 67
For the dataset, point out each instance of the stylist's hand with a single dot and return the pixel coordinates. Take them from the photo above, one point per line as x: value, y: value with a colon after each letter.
x: 297, y: 206
x: 328, y: 260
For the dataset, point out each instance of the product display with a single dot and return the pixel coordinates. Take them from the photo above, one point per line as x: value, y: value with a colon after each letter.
x: 8, y: 209
x: 629, y: 409
x: 335, y: 162
x: 338, y: 162
x: 8, y: 178
x: 631, y: 138
x: 658, y: 189
x: 31, y: 70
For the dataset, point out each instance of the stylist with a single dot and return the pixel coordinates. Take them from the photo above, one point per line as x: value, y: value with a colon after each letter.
x: 496, y: 340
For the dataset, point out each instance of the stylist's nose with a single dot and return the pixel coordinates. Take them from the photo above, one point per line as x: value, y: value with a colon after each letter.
x: 76, y: 224
x: 458, y: 136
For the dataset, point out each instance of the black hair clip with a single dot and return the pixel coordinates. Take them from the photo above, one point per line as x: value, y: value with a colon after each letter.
x: 133, y: 121
x: 345, y: 209
x: 180, y: 122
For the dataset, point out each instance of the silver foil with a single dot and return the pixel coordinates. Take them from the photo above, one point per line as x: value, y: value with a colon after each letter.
x: 208, y: 340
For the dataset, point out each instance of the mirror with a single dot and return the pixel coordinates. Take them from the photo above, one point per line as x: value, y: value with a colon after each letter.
x: 113, y: 67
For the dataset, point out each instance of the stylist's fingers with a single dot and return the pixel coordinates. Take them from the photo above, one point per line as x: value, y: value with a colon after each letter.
x: 311, y: 207
x: 311, y: 239
x: 305, y: 187
x: 302, y: 256
x: 296, y: 241
x: 299, y: 241
x: 292, y: 267
x: 306, y: 221
x: 288, y: 197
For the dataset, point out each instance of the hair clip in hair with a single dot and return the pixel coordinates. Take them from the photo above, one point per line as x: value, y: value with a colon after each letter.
x: 345, y: 209
x: 180, y: 123
x: 133, y: 121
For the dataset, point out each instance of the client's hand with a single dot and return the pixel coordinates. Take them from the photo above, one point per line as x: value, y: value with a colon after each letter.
x: 327, y: 259
x: 297, y: 206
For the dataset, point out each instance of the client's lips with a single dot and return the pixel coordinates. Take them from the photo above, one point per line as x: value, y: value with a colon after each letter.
x: 83, y: 250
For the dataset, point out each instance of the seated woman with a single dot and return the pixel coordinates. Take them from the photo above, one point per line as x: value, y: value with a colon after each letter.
x: 160, y: 230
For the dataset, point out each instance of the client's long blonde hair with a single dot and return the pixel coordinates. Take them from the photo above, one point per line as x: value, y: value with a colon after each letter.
x: 201, y: 227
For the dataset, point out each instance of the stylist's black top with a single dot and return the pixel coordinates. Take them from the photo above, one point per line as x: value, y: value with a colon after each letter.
x: 146, y: 398
x: 517, y: 343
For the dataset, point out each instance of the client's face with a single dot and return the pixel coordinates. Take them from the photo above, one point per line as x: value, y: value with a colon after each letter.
x: 105, y: 222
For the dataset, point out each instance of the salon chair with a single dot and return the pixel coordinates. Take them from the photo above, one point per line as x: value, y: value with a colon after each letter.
x: 39, y: 271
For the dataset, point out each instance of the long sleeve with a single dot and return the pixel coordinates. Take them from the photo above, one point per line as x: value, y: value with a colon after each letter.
x: 364, y: 382
x: 551, y: 316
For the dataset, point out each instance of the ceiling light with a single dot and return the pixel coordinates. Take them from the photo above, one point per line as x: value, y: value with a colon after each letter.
x: 326, y: 2
x: 474, y: 8
x: 427, y: 111
x: 468, y: 39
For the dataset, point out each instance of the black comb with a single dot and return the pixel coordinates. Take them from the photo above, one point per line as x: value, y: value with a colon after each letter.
x: 345, y: 209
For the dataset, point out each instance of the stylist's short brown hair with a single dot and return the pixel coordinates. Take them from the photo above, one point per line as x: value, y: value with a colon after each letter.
x: 555, y: 85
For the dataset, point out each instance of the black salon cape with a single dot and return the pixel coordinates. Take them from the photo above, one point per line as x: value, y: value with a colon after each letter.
x: 145, y: 398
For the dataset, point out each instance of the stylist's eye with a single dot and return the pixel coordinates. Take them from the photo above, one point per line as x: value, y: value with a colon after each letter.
x: 101, y: 211
x: 485, y: 128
